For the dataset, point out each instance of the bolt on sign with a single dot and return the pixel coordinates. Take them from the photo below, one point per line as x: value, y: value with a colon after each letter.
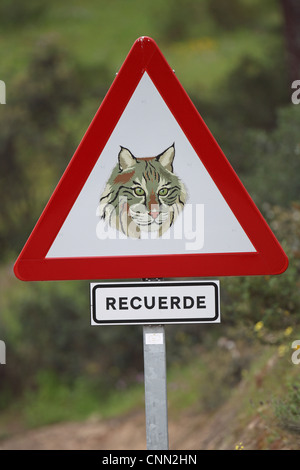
x: 149, y: 193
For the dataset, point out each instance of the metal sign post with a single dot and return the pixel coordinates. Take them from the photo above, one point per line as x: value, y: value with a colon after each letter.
x: 155, y: 387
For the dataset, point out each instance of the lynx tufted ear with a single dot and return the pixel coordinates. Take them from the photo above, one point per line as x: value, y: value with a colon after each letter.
x: 126, y: 159
x: 166, y: 158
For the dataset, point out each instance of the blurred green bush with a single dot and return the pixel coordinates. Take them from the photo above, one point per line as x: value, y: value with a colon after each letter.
x: 38, y: 135
x: 287, y: 409
x: 50, y: 331
x: 16, y: 13
x: 272, y: 300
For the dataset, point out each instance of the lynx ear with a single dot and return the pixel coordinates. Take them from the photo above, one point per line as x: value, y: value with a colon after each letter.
x: 126, y: 159
x: 166, y: 158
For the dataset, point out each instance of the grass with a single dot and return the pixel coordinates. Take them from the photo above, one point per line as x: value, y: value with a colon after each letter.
x: 202, y: 65
x: 103, y: 32
x: 92, y: 32
x: 54, y: 401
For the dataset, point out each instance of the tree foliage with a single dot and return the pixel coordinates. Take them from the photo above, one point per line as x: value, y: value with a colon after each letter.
x: 37, y: 137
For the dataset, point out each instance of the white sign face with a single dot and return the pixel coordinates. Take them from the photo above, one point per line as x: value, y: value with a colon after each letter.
x: 205, y: 224
x: 155, y: 302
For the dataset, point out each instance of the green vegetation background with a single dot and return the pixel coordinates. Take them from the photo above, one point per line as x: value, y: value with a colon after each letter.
x: 58, y: 60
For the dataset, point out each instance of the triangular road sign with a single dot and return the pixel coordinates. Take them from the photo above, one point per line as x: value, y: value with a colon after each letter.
x: 149, y: 193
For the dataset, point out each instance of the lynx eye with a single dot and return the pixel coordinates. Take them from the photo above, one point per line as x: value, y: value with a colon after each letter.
x: 139, y: 191
x: 163, y: 191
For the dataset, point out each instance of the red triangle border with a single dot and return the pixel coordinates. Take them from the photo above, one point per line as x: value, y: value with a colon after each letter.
x: 32, y: 263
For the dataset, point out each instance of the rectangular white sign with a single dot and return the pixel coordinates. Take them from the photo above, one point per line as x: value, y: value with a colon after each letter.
x: 162, y: 302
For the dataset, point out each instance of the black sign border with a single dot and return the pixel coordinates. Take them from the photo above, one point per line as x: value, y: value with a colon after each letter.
x: 161, y: 320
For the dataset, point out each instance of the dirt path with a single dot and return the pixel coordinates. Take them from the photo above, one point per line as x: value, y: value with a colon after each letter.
x: 191, y: 432
x: 91, y: 434
x: 128, y: 433
x: 227, y: 428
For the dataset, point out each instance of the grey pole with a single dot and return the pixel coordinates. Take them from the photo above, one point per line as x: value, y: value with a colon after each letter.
x: 155, y: 387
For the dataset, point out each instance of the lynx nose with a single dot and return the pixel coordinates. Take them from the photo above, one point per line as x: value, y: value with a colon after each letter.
x: 154, y: 212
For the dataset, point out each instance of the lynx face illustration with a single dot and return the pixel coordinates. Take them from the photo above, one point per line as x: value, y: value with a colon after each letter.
x: 142, y: 194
